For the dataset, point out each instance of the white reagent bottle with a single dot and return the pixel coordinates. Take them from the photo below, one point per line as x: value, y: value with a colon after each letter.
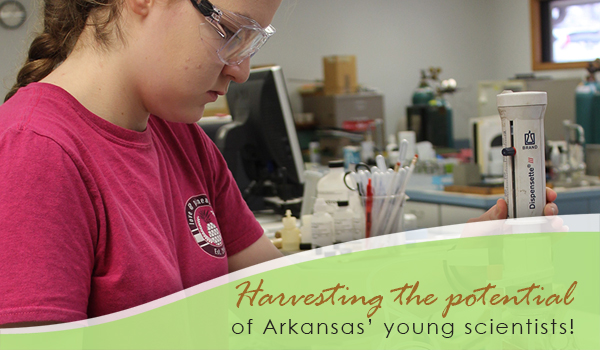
x: 358, y: 221
x: 343, y: 223
x: 321, y: 225
x: 331, y: 186
x: 306, y: 233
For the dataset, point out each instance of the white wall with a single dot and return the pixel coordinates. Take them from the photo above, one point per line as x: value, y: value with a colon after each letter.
x: 15, y: 44
x: 393, y: 40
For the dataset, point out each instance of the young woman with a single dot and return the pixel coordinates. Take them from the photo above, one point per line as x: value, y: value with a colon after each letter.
x: 111, y: 196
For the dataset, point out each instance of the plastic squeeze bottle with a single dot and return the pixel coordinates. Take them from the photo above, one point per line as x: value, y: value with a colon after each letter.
x: 290, y: 234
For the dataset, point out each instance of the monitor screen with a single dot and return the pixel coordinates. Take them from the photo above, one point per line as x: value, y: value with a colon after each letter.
x: 574, y: 30
x: 260, y: 145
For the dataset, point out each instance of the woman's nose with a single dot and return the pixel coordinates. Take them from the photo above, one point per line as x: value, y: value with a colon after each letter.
x: 238, y: 73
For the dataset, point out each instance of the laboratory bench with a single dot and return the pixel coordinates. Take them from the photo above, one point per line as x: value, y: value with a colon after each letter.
x: 438, y: 208
x: 434, y: 208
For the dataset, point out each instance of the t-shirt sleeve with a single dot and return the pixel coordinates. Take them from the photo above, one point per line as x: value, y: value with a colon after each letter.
x: 46, y: 231
x: 238, y: 225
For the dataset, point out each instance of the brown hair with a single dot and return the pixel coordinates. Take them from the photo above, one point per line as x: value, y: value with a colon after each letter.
x: 64, y: 21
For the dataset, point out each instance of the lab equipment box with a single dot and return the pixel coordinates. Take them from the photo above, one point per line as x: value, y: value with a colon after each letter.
x: 339, y: 74
x: 334, y: 110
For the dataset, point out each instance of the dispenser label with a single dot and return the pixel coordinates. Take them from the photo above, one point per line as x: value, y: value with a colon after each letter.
x: 530, y: 141
x: 530, y: 175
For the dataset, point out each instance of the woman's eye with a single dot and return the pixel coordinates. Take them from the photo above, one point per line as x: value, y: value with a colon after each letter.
x: 228, y: 32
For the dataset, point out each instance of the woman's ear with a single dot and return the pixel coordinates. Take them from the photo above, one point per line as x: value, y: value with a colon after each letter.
x: 140, y: 7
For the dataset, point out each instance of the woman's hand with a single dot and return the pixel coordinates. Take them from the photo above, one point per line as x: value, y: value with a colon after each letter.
x: 500, y: 210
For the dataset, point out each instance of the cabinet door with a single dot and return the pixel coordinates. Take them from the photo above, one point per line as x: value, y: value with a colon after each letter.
x: 452, y: 214
x: 428, y: 214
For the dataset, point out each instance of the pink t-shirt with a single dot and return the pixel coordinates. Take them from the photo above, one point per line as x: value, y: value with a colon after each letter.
x: 95, y: 219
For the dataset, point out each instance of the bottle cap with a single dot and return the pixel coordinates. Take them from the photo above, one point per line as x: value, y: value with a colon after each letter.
x: 320, y: 205
x: 289, y: 222
x: 305, y: 246
x: 342, y: 203
x: 336, y: 163
x: 523, y: 98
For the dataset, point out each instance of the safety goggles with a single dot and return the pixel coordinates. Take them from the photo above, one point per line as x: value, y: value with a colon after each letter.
x: 239, y: 37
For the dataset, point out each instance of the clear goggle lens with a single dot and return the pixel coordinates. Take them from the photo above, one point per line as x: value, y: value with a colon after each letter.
x: 243, y: 44
x: 235, y: 41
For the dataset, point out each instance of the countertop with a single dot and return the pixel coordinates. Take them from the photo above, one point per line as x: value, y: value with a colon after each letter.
x: 569, y: 201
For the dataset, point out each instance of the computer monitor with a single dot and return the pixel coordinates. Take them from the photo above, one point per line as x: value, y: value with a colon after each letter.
x: 260, y: 145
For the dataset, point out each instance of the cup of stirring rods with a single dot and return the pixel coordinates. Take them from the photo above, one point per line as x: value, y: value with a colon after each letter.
x: 383, y: 195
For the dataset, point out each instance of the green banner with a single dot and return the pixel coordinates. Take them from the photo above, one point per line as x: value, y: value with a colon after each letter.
x: 524, y: 291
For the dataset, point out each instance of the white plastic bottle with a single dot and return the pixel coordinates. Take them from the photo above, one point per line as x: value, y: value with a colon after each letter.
x: 332, y: 208
x: 306, y: 233
x: 367, y: 150
x: 555, y: 156
x: 358, y: 222
x: 331, y: 186
x: 343, y: 223
x: 391, y: 149
x: 358, y: 217
x: 290, y: 235
x: 321, y: 225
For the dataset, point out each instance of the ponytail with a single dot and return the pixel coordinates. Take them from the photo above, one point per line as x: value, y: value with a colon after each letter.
x: 64, y: 21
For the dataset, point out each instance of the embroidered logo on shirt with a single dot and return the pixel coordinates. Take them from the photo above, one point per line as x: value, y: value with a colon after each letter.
x: 203, y: 224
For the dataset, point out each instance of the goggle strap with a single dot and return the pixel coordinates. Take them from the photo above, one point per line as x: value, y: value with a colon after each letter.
x: 205, y: 7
